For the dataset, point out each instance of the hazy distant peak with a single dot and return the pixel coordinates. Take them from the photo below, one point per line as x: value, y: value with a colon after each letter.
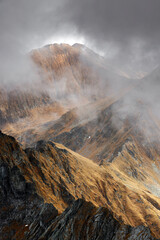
x: 78, y: 45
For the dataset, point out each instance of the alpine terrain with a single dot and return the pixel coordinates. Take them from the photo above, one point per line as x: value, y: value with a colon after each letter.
x: 80, y: 151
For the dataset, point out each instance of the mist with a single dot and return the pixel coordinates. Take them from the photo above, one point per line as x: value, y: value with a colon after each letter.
x: 125, y: 32
x: 23, y: 25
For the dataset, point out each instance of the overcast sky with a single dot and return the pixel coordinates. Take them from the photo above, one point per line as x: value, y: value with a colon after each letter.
x: 127, y: 32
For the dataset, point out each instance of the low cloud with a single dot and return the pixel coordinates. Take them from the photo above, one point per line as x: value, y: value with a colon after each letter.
x: 126, y: 32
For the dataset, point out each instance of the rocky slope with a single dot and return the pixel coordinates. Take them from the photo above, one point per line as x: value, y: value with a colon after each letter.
x: 39, y: 183
x: 127, y: 156
x: 84, y: 221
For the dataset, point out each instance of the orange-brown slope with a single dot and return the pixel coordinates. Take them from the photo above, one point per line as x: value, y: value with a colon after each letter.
x: 61, y: 175
x: 132, y: 151
x: 60, y: 61
x: 126, y: 153
x: 91, y: 131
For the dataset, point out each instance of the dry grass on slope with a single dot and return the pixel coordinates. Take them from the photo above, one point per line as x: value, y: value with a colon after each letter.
x: 61, y: 175
x: 75, y: 176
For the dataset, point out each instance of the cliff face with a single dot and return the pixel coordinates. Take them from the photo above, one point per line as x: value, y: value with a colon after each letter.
x: 83, y: 221
x: 19, y: 203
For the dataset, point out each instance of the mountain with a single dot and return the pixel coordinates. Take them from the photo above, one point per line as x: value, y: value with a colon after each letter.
x: 70, y: 76
x: 78, y: 72
x: 38, y: 183
x: 87, y: 162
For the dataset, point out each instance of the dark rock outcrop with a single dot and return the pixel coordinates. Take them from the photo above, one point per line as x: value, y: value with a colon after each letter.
x: 20, y: 205
x: 83, y: 221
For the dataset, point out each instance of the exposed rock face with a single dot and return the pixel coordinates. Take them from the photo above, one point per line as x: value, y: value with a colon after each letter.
x: 83, y: 221
x: 19, y: 203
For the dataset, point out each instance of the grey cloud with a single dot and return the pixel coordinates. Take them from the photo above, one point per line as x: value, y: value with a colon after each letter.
x: 119, y: 19
x: 132, y: 27
x: 127, y: 28
x: 22, y: 25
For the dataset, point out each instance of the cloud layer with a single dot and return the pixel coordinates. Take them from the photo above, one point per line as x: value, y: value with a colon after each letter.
x: 126, y: 31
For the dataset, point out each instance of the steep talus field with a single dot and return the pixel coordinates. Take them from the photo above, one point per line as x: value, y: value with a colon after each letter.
x: 41, y: 182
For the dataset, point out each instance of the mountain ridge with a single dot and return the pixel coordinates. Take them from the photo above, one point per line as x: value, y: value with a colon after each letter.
x: 27, y: 174
x: 99, y: 157
x: 58, y: 186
